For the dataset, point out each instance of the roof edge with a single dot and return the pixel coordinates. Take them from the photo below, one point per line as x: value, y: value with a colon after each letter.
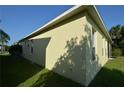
x: 66, y: 13
x: 102, y: 23
x: 52, y: 21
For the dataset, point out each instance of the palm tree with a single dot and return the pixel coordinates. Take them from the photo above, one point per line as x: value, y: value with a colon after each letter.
x: 4, y: 38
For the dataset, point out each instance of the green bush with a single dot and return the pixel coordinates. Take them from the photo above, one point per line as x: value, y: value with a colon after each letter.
x: 7, y: 48
x: 14, y: 49
x: 116, y: 52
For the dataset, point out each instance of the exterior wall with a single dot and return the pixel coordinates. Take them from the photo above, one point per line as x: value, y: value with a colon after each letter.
x: 67, y: 49
x: 37, y: 54
x: 65, y: 53
x: 93, y: 66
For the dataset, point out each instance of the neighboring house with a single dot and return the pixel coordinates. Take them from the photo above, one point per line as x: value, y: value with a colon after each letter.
x: 76, y: 44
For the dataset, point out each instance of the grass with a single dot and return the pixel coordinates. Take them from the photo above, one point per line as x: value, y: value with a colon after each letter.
x: 111, y: 75
x: 16, y: 71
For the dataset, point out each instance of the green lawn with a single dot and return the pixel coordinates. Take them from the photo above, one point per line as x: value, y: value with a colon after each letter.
x: 16, y: 71
x: 111, y: 75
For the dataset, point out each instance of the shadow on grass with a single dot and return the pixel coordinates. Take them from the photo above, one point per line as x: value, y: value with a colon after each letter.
x: 52, y: 79
x: 14, y: 70
x: 108, y: 78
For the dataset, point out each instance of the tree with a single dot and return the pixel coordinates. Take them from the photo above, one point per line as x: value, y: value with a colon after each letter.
x: 17, y: 49
x: 122, y: 32
x: 117, y: 35
x: 4, y: 38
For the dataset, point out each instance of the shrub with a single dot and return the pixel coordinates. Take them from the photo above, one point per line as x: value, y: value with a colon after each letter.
x: 15, y: 49
x: 116, y: 52
x: 7, y: 48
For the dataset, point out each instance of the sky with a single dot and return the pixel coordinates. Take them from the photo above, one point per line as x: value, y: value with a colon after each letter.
x: 19, y: 21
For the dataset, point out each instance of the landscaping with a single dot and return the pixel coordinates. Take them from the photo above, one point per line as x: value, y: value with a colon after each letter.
x: 17, y: 71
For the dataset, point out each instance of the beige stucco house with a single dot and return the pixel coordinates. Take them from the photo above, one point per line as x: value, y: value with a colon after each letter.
x: 75, y: 44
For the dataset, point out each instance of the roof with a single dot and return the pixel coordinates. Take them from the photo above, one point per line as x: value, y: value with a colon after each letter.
x: 72, y: 11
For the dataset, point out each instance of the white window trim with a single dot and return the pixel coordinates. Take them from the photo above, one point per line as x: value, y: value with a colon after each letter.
x: 106, y: 49
x: 95, y: 41
x: 103, y: 47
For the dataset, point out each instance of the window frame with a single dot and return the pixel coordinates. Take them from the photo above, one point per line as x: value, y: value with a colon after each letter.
x: 94, y: 44
x: 32, y: 50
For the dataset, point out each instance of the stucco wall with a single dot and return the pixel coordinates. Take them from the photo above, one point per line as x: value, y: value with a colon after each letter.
x: 66, y: 48
x: 93, y: 66
x: 37, y: 54
x: 65, y: 53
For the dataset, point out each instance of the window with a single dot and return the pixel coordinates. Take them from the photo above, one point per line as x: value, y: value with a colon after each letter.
x: 28, y: 44
x: 93, y: 53
x: 102, y: 51
x: 32, y: 50
x: 103, y: 48
x: 106, y: 51
x: 93, y: 45
x: 32, y: 42
x: 106, y: 54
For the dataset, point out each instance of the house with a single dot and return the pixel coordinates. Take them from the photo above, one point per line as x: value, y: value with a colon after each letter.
x: 75, y: 44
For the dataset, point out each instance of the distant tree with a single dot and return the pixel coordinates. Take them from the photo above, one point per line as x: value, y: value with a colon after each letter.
x: 122, y: 32
x: 4, y: 38
x: 7, y: 48
x: 117, y: 35
x: 116, y: 52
